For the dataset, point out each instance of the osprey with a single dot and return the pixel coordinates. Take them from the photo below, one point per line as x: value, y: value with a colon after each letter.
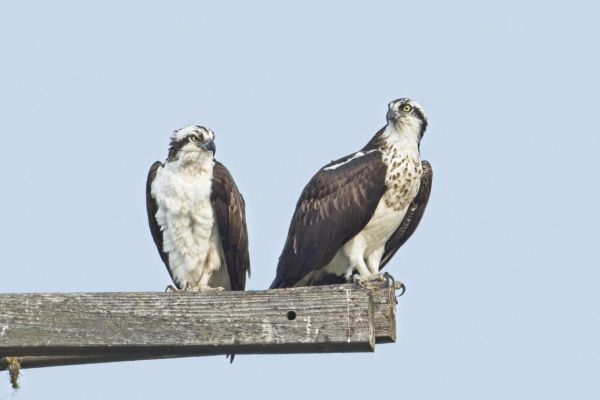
x: 197, y: 215
x: 356, y: 212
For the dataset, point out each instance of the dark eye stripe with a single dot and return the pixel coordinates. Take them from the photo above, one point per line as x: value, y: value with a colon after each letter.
x: 174, y: 148
x: 419, y: 114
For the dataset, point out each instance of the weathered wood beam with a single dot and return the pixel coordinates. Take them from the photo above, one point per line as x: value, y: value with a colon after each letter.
x: 28, y: 362
x: 65, y: 329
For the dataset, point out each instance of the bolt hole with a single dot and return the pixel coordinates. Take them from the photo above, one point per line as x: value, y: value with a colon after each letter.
x: 291, y: 315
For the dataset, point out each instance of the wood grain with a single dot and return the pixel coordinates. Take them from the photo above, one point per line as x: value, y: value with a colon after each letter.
x: 79, y: 328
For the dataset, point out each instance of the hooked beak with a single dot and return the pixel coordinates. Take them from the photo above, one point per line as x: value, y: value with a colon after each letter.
x: 210, y: 146
x: 392, y: 115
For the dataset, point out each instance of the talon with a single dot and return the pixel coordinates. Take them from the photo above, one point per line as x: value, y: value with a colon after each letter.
x: 171, y: 288
x: 356, y: 278
x: 401, y: 287
x: 389, y: 280
x: 390, y: 283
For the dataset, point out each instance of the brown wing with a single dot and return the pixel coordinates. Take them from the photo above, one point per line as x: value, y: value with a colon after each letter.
x: 152, y: 208
x: 412, y: 218
x: 336, y: 205
x: 230, y: 213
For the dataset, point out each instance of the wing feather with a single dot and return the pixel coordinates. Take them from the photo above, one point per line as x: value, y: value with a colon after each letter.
x: 230, y: 213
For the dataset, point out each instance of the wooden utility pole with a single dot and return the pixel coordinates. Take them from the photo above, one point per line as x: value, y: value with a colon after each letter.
x: 43, y: 330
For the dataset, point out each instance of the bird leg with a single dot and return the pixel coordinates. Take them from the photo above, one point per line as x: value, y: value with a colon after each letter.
x: 357, y: 272
x: 373, y: 262
x: 211, y: 264
x: 203, y: 285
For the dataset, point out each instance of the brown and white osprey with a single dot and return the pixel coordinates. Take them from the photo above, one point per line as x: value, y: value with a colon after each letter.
x: 197, y: 215
x: 356, y: 212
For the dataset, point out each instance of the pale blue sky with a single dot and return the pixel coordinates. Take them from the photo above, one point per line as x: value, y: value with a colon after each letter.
x: 503, y: 281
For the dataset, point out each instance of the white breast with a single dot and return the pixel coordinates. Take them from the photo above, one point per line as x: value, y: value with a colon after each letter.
x: 403, y: 178
x: 185, y: 217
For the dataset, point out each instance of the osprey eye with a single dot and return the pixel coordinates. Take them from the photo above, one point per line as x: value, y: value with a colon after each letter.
x: 194, y: 139
x: 407, y: 108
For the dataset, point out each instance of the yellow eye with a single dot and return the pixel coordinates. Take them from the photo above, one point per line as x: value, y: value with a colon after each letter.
x: 193, y: 138
x: 407, y: 108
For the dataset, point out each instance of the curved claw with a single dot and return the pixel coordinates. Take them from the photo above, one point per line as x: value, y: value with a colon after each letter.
x: 402, y: 287
x: 389, y: 278
x: 390, y: 282
x: 170, y: 289
x: 358, y: 280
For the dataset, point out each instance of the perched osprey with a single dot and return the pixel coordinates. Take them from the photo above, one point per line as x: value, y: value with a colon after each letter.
x: 197, y: 215
x: 356, y: 212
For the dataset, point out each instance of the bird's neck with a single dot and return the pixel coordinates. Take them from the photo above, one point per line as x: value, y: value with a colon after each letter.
x: 192, y: 164
x: 397, y: 136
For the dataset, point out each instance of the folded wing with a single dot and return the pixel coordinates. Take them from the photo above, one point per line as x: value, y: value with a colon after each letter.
x: 230, y: 213
x: 334, y: 206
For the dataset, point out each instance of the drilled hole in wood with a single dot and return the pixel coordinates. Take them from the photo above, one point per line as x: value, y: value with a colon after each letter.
x: 291, y: 315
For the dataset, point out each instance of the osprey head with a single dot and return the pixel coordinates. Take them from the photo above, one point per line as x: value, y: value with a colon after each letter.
x: 192, y: 142
x: 404, y: 113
